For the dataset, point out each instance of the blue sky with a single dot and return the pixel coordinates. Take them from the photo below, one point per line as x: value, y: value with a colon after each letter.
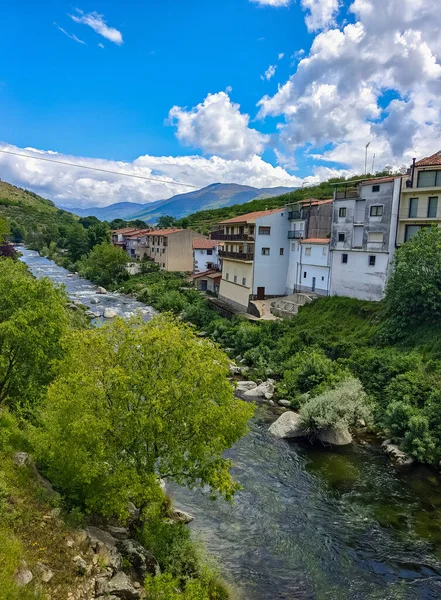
x: 261, y: 92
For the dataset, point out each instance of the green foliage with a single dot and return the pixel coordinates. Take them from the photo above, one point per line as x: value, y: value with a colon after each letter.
x: 419, y: 441
x: 105, y: 265
x: 414, y: 289
x: 32, y: 321
x: 166, y: 221
x: 134, y: 401
x: 338, y: 408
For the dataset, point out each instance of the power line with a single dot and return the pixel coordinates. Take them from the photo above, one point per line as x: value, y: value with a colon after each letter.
x: 61, y: 162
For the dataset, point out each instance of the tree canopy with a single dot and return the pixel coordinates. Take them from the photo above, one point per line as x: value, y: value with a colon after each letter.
x: 136, y: 401
x: 105, y: 264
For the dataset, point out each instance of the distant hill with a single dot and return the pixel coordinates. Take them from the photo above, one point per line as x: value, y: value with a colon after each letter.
x: 213, y: 196
x: 120, y: 210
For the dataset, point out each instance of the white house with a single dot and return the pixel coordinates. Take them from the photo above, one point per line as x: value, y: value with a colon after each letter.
x: 205, y: 255
x: 313, y: 266
x: 364, y: 230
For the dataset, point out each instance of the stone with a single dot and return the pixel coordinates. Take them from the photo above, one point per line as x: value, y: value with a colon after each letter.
x: 23, y: 575
x: 104, y: 544
x: 119, y: 586
x: 162, y: 485
x: 271, y: 403
x: 119, y: 533
x: 80, y: 564
x: 94, y: 301
x: 21, y: 458
x: 101, y: 290
x: 45, y: 573
x: 133, y: 511
x: 181, y: 516
x: 288, y: 425
x: 69, y: 275
x: 72, y: 306
x: 398, y: 456
x: 110, y: 313
x: 335, y: 437
x: 264, y: 391
x: 244, y: 371
x: 234, y: 369
x: 361, y: 423
x: 244, y: 386
x: 284, y: 402
x: 143, y: 562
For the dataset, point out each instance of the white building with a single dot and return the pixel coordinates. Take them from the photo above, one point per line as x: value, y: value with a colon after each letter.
x: 363, y: 237
x: 205, y: 255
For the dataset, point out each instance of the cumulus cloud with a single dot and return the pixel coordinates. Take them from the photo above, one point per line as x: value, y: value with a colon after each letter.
x: 272, y: 2
x: 217, y: 126
x: 280, y: 55
x: 270, y: 72
x: 375, y: 79
x: 70, y: 35
x: 98, y: 24
x: 76, y: 186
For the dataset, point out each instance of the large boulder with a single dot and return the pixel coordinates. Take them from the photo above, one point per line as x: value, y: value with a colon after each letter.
x: 234, y: 369
x: 119, y: 586
x: 110, y: 313
x: 143, y: 562
x: 288, y: 425
x: 23, y: 575
x: 101, y: 290
x: 244, y: 386
x: 263, y: 391
x: 104, y: 544
x: 335, y: 437
x: 180, y: 516
x: 398, y: 456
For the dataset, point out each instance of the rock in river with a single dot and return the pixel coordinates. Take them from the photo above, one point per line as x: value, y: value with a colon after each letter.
x: 101, y: 290
x: 109, y: 313
x: 264, y: 391
x: 287, y: 425
x: 336, y: 437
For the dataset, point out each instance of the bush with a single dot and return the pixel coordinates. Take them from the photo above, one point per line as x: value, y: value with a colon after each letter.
x: 397, y: 417
x: 419, y: 442
x: 338, y: 409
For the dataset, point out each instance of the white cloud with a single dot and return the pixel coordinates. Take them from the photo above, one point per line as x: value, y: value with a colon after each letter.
x: 280, y: 55
x: 70, y: 35
x: 272, y: 2
x: 376, y: 79
x: 321, y: 13
x: 100, y: 45
x: 217, y: 126
x: 76, y: 186
x: 98, y: 24
x: 270, y: 72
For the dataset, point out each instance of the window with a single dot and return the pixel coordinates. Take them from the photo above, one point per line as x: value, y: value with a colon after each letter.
x: 341, y: 237
x: 244, y: 280
x: 282, y: 251
x: 304, y: 274
x: 293, y: 246
x: 432, y: 207
x: 163, y: 265
x: 265, y: 251
x: 210, y: 252
x: 411, y: 230
x: 264, y: 230
x: 324, y: 250
x: 376, y: 211
x: 323, y: 279
x: 235, y: 279
x: 376, y: 237
x: 157, y: 250
x: 251, y: 229
x: 344, y: 258
x: 342, y: 211
x: 375, y: 188
x: 163, y: 251
x: 227, y: 276
x: 429, y: 179
x: 413, y: 207
x: 371, y: 260
x: 308, y: 251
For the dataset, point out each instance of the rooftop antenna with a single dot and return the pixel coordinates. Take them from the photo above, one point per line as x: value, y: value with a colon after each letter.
x: 365, y: 157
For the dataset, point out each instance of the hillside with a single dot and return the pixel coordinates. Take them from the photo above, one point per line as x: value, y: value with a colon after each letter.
x: 120, y: 210
x: 211, y: 197
x: 30, y: 211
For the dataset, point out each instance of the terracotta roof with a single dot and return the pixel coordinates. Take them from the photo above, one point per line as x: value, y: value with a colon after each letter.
x: 202, y: 243
x: 315, y: 202
x: 316, y: 241
x: 206, y: 273
x: 430, y: 161
x: 380, y: 179
x: 251, y: 216
x: 124, y: 230
x: 137, y: 233
x: 165, y: 231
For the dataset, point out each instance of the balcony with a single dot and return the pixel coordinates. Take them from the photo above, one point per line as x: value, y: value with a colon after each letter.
x: 232, y: 237
x: 296, y: 215
x: 296, y: 235
x: 246, y: 256
x: 347, y: 194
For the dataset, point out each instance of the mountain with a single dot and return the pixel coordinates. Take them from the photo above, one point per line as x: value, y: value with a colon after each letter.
x: 216, y: 195
x: 120, y: 210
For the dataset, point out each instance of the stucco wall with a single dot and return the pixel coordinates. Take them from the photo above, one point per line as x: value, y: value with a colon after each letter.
x: 236, y: 291
x: 270, y: 271
x: 201, y: 259
x: 356, y: 278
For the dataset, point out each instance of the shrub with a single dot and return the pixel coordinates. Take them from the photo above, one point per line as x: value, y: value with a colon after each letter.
x: 418, y: 441
x: 397, y: 417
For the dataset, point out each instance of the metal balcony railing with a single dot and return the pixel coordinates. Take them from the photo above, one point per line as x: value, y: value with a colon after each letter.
x: 237, y: 255
x: 294, y: 215
x: 347, y: 194
x: 296, y: 235
x: 232, y: 237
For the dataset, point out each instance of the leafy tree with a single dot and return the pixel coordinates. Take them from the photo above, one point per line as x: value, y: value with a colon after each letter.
x: 18, y: 232
x: 136, y: 401
x: 97, y: 234
x: 32, y: 321
x: 166, y: 221
x: 4, y: 230
x: 105, y: 265
x: 414, y: 290
x: 77, y: 242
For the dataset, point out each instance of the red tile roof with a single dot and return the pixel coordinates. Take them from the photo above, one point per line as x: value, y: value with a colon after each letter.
x: 137, y: 233
x: 165, y: 231
x: 124, y: 230
x: 316, y: 241
x: 202, y: 244
x: 315, y: 202
x: 207, y: 273
x: 430, y: 161
x: 386, y: 179
x: 251, y: 216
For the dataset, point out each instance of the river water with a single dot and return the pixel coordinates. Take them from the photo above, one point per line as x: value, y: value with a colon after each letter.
x: 309, y: 524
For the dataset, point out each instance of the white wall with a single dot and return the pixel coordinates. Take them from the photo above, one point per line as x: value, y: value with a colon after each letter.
x: 270, y: 271
x: 315, y: 265
x: 201, y: 259
x: 292, y: 276
x: 356, y: 278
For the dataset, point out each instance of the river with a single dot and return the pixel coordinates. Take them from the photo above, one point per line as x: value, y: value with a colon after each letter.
x: 309, y: 524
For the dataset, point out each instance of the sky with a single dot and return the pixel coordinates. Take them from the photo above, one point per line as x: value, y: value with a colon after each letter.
x: 189, y: 92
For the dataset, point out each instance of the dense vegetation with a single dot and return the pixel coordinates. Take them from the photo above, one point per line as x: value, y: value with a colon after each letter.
x: 106, y: 412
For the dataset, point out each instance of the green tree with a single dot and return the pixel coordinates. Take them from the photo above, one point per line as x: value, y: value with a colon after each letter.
x: 32, y: 321
x: 77, y: 242
x: 166, y: 221
x: 414, y: 290
x: 97, y: 234
x: 106, y: 264
x: 136, y: 401
x: 4, y: 230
